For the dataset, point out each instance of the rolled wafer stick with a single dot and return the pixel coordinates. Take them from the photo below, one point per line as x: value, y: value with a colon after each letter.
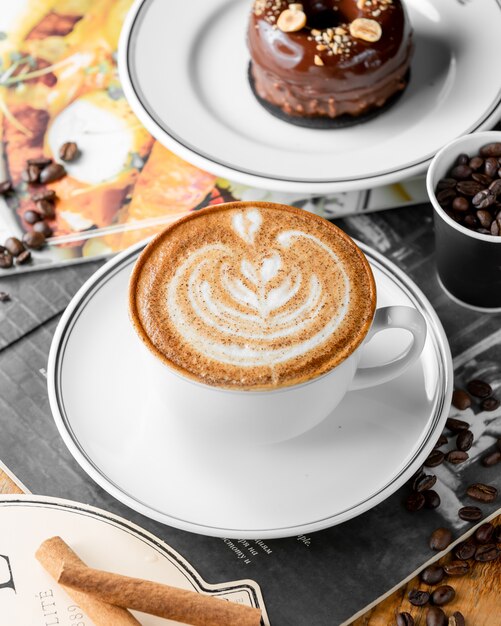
x: 52, y: 554
x: 156, y: 599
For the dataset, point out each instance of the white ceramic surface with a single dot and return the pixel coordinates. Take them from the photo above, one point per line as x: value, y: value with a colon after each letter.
x: 102, y: 540
x: 108, y: 412
x: 183, y: 67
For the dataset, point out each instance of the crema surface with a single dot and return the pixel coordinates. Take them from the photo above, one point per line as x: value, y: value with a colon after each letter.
x: 252, y: 296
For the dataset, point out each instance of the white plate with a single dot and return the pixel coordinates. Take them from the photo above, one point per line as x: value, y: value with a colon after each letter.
x: 105, y: 405
x: 103, y: 541
x: 183, y: 66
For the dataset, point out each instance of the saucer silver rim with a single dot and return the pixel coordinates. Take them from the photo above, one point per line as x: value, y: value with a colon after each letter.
x: 63, y: 422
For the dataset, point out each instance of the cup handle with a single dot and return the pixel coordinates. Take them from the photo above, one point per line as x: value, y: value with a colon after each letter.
x: 392, y: 317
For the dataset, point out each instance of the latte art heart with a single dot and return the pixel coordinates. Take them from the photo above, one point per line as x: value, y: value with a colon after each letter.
x: 251, y: 296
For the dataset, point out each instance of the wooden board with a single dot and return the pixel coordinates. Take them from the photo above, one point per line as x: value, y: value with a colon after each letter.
x: 478, y: 594
x: 8, y: 483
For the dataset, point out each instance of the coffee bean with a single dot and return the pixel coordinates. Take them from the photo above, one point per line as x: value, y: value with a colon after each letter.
x: 47, y: 209
x: 45, y: 194
x: 456, y: 456
x: 7, y: 261
x: 462, y: 159
x: 418, y: 597
x: 495, y: 187
x: 495, y: 228
x: 435, y: 617
x: 486, y: 553
x: 14, y: 246
x: 471, y: 221
x: 68, y: 151
x: 414, y: 502
x: 490, y: 404
x: 457, y: 568
x: 491, y: 150
x: 23, y: 258
x: 483, y: 179
x: 455, y: 425
x: 447, y: 183
x: 460, y: 204
x: 464, y: 440
x: 491, y: 459
x: 479, y: 388
x: 469, y: 187
x: 31, y: 174
x: 484, y: 533
x: 34, y: 240
x: 456, y: 619
x: 4, y: 296
x: 461, y: 400
x: 40, y: 161
x: 423, y: 482
x: 44, y: 228
x: 441, y: 441
x: 431, y: 499
x: 491, y: 167
x: 483, y: 199
x: 443, y: 594
x: 440, y: 538
x: 434, y: 458
x: 52, y: 172
x: 31, y: 217
x: 476, y: 163
x: 485, y: 218
x: 465, y: 550
x: 432, y: 575
x: 445, y: 197
x: 405, y: 619
x: 470, y: 513
x: 5, y: 187
x: 482, y: 493
x: 462, y: 172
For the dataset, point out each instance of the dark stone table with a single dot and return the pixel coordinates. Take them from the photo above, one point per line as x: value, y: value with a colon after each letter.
x: 320, y: 580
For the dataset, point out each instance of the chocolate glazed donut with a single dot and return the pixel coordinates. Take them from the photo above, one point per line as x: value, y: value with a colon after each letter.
x: 328, y: 63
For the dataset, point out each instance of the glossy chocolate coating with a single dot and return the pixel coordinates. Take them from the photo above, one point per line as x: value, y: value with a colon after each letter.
x: 364, y: 75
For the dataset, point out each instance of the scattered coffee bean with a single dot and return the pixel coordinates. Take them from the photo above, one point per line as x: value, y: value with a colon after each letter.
x: 6, y: 261
x: 464, y: 440
x: 40, y: 161
x: 465, y: 550
x: 484, y: 533
x: 5, y: 187
x: 490, y: 404
x: 460, y: 204
x: 34, y: 240
x: 431, y: 499
x: 441, y: 441
x: 44, y: 228
x: 414, y: 502
x: 14, y: 246
x: 434, y: 458
x: 440, y: 538
x: 435, y: 617
x: 47, y: 209
x: 31, y: 174
x: 456, y: 456
x: 482, y: 493
x: 31, y: 217
x: 423, y: 482
x: 45, y: 194
x: 486, y: 553
x: 457, y: 568
x: 456, y: 619
x: 23, y: 258
x: 479, y: 388
x: 4, y: 296
x: 432, y: 575
x: 418, y: 597
x: 455, y: 425
x: 491, y: 459
x: 52, y: 172
x: 491, y: 150
x: 405, y: 619
x: 461, y: 400
x: 443, y: 594
x: 68, y: 151
x: 470, y: 513
x: 491, y: 167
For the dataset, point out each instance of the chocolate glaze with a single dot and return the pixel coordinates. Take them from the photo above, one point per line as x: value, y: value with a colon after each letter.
x: 364, y: 75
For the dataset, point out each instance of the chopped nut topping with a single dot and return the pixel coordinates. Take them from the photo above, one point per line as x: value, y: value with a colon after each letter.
x: 291, y: 21
x: 365, y: 29
x: 318, y: 60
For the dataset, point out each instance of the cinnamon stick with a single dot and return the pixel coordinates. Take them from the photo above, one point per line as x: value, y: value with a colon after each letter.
x: 156, y: 599
x: 52, y: 554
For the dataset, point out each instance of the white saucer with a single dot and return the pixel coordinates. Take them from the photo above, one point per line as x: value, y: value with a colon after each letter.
x: 105, y: 407
x: 183, y: 66
x: 103, y: 541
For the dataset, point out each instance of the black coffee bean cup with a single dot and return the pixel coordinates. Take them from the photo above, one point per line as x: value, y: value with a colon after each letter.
x: 468, y: 262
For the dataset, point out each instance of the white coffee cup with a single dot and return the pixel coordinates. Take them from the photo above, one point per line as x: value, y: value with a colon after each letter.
x: 272, y: 415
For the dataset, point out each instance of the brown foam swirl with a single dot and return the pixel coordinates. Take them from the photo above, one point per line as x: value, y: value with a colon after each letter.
x: 247, y: 295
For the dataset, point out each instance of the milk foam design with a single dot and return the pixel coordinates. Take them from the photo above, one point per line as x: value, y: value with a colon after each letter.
x: 253, y: 307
